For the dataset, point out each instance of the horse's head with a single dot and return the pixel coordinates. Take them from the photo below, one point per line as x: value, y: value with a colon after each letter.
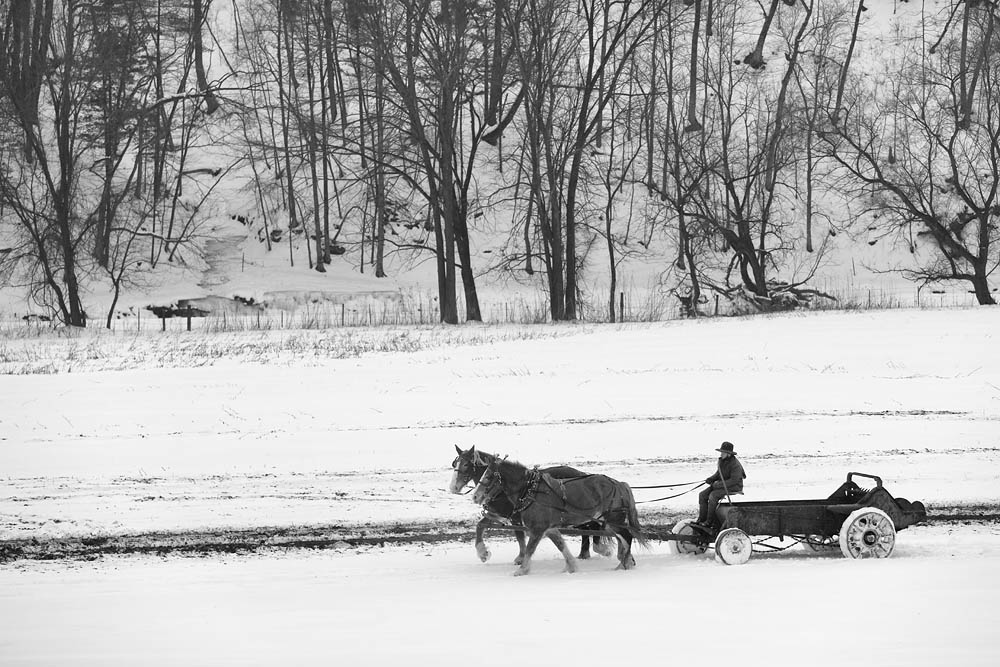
x: 468, y: 466
x: 490, y: 484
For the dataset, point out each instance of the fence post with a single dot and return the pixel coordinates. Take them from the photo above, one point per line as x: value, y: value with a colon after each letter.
x: 189, y: 321
x: 621, y: 306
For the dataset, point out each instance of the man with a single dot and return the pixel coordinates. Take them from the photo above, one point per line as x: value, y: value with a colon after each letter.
x: 728, y: 478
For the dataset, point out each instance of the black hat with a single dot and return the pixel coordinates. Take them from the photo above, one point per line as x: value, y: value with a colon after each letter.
x: 726, y: 447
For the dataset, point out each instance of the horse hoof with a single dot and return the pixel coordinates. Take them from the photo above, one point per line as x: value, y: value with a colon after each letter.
x: 584, y: 556
x: 518, y: 560
x: 484, y: 553
x: 626, y: 565
x: 569, y: 570
x: 520, y: 572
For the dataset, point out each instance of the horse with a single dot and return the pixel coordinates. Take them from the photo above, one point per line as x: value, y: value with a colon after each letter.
x: 546, y: 504
x: 470, y: 465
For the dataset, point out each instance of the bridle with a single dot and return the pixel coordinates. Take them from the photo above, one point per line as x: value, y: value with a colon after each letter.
x: 491, y: 481
x: 472, y: 476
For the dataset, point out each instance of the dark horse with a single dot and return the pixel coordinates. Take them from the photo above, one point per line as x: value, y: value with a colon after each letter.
x: 470, y: 465
x: 546, y: 504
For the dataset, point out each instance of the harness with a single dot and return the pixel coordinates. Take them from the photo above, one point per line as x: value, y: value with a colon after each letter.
x: 533, y: 478
x: 530, y: 490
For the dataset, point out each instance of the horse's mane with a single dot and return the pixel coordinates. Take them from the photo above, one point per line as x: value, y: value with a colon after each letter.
x: 503, y: 460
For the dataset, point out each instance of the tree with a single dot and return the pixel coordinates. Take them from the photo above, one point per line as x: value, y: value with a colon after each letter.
x: 939, y: 189
x: 729, y: 186
x: 427, y: 54
x: 24, y: 44
x: 40, y: 192
x: 77, y: 196
x: 570, y: 58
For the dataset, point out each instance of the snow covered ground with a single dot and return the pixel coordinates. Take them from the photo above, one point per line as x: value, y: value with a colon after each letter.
x: 347, y: 433
x: 930, y: 604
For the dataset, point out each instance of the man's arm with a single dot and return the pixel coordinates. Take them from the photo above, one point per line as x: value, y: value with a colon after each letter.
x: 714, y: 479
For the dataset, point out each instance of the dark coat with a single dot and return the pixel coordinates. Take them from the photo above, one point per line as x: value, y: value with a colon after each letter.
x: 731, y: 472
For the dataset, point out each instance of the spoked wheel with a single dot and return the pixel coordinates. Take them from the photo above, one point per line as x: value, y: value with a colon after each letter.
x: 868, y: 533
x: 684, y: 528
x: 820, y: 544
x: 733, y: 547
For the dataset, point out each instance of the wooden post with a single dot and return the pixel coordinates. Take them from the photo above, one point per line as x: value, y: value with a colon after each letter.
x: 621, y: 306
x: 189, y: 321
x: 163, y: 324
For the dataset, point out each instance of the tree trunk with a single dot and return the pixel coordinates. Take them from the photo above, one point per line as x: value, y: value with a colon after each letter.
x: 314, y: 86
x: 24, y: 43
x: 64, y: 114
x: 981, y: 285
x: 755, y: 58
x: 198, y: 8
x: 693, y: 125
x: 847, y: 62
x: 381, y: 218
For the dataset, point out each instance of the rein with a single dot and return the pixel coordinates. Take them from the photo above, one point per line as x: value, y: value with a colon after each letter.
x: 534, y: 476
x: 676, y: 495
x: 666, y: 486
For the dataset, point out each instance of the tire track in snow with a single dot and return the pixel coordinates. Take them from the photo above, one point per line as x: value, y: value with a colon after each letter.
x: 340, y: 537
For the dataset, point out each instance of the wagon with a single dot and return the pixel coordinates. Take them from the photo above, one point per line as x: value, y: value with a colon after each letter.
x: 862, y: 522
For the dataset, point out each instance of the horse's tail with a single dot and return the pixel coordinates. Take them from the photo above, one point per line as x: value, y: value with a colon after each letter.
x: 633, y: 517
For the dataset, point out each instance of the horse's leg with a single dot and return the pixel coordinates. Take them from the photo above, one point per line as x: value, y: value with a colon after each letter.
x: 533, y: 539
x: 519, y: 535
x: 557, y: 539
x: 603, y: 542
x: 602, y: 545
x: 625, y: 559
x: 481, y: 548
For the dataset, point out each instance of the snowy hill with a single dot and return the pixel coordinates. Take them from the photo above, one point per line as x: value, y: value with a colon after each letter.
x: 243, y: 254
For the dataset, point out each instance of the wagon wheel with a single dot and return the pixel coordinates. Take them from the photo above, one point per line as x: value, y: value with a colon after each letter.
x: 819, y: 544
x: 867, y: 533
x: 733, y: 547
x: 675, y: 547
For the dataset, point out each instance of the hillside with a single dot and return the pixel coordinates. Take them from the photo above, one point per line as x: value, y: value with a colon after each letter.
x: 238, y: 239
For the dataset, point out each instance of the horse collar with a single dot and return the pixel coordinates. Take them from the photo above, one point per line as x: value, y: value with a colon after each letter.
x: 530, y: 489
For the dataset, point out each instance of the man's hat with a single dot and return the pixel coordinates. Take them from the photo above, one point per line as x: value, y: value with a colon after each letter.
x: 726, y: 447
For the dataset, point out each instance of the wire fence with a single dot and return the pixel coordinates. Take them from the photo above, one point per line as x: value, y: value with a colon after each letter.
x: 423, y: 309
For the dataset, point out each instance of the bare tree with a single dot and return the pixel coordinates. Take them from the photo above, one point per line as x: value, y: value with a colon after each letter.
x: 76, y: 205
x: 24, y: 44
x: 940, y: 191
x: 733, y: 182
x: 198, y: 13
x: 564, y: 103
x: 41, y: 193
